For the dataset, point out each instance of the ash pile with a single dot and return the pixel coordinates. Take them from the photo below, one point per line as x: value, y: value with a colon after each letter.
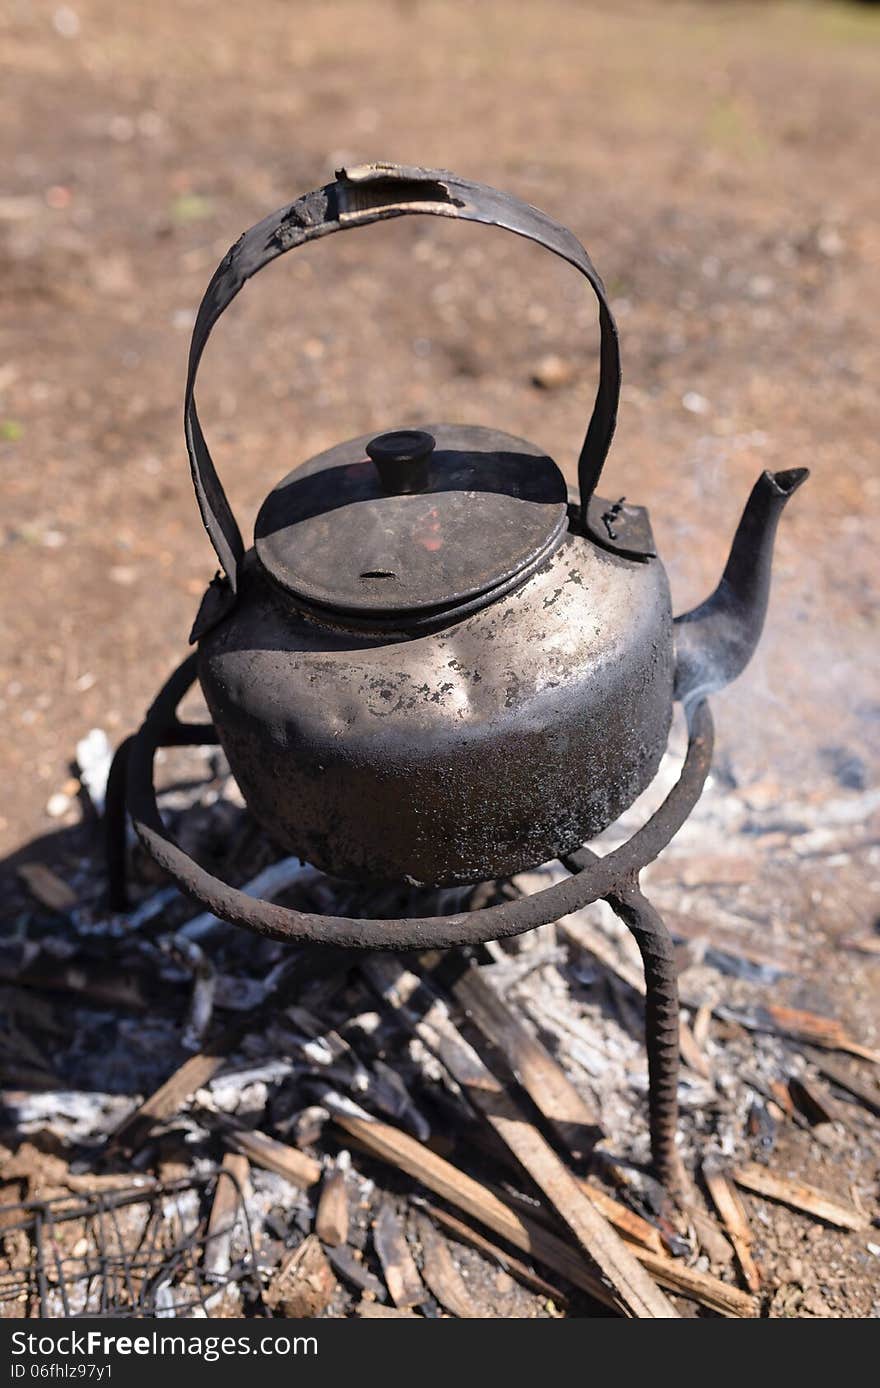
x: 200, y: 1122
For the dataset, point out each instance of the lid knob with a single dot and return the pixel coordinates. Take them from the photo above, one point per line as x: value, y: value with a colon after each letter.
x: 401, y: 460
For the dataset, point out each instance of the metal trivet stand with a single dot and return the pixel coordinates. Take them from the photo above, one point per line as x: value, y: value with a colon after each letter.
x: 614, y: 878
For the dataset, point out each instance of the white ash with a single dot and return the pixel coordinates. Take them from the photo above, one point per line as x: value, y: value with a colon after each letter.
x: 94, y: 754
x: 74, y: 1115
x: 244, y: 1089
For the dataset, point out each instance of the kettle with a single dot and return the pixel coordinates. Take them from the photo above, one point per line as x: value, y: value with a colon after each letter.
x: 433, y: 665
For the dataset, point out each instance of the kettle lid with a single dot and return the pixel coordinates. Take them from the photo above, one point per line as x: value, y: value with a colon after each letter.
x: 415, y: 525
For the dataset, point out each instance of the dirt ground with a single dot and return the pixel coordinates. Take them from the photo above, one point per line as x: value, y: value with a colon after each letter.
x: 717, y: 160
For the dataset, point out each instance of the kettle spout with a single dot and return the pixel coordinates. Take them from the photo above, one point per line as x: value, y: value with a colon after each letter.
x: 715, y: 642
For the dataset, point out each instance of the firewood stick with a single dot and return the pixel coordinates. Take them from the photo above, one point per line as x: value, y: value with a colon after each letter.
x: 263, y: 1150
x: 868, y: 1095
x: 438, y: 1175
x: 398, y: 1265
x: 627, y: 1223
x: 807, y: 1199
x: 232, y: 1187
x: 566, y: 1110
x: 331, y: 1216
x: 826, y: 1032
x: 401, y: 1151
x: 735, y: 1220
x: 165, y: 1101
x: 550, y: 1089
x: 637, y: 1292
x: 440, y: 1273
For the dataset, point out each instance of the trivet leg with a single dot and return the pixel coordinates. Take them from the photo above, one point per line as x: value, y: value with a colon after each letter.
x: 661, y: 1026
x: 115, y: 827
x: 116, y: 808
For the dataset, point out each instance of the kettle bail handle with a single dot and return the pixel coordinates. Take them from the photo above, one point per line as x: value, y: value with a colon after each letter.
x: 358, y: 197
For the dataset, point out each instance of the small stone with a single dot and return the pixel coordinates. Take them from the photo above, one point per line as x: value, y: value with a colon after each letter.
x: 830, y: 242
x: 813, y: 1304
x: 695, y: 403
x: 65, y: 22
x: 58, y: 197
x: 552, y: 372
x: 761, y: 287
x: 58, y: 804
x: 123, y: 575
